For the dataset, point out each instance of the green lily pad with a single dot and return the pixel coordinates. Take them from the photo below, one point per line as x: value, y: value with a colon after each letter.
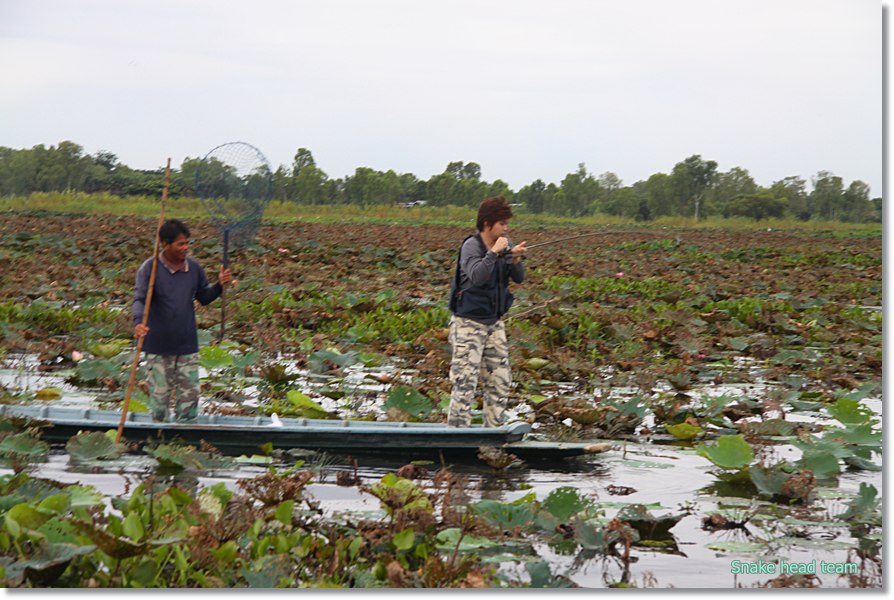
x: 684, y: 431
x: 215, y: 357
x: 730, y: 452
x: 23, y: 445
x: 850, y: 412
x: 564, y: 502
x: 503, y: 514
x: 303, y: 406
x: 47, y: 565
x: 823, y: 466
x: 109, y: 349
x: 646, y: 524
x: 93, y: 446
x: 84, y: 495
x: 187, y: 457
x: 448, y: 539
x: 28, y: 516
x: 408, y: 400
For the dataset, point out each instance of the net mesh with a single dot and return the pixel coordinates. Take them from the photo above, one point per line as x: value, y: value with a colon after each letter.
x: 235, y: 184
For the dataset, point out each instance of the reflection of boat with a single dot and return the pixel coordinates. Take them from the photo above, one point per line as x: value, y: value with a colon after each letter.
x: 246, y: 434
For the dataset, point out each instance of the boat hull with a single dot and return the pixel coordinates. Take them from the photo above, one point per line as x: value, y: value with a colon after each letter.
x: 233, y: 435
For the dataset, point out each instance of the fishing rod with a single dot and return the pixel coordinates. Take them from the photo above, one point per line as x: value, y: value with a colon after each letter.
x: 573, y: 237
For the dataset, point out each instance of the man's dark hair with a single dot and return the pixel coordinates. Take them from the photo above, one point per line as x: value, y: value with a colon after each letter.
x: 493, y: 210
x: 171, y: 230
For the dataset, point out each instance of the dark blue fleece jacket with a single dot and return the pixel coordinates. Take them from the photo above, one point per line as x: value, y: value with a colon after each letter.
x: 172, y: 314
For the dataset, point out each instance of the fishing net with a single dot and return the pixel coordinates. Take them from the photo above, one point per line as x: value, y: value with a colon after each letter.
x: 235, y: 184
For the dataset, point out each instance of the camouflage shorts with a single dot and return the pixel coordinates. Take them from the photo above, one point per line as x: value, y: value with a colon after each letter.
x: 173, y: 386
x: 479, y: 352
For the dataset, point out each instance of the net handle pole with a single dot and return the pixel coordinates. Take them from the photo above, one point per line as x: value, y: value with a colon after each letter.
x: 223, y: 292
x: 574, y: 237
x: 136, y: 356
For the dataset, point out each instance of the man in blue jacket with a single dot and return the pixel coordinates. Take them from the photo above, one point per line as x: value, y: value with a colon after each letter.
x: 479, y: 298
x: 171, y: 339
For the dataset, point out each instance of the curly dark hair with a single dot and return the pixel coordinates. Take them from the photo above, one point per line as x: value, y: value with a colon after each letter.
x: 493, y: 210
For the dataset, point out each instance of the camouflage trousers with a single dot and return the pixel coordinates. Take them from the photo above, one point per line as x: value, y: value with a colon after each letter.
x: 480, y: 352
x: 173, y: 386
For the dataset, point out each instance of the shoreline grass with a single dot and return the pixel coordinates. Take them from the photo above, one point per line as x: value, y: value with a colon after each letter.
x: 283, y: 212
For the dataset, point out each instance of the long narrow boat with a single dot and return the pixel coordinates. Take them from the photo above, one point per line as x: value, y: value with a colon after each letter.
x: 232, y: 434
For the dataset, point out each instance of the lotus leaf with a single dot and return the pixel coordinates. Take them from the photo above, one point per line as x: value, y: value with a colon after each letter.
x: 646, y: 524
x: 404, y: 540
x: 865, y: 507
x: 93, y: 371
x: 109, y: 349
x: 81, y: 495
x: 28, y: 516
x: 504, y: 515
x: 397, y: 493
x: 822, y: 465
x: 565, y: 502
x: 850, y: 412
x: 684, y: 431
x: 215, y: 357
x: 47, y: 566
x: 408, y: 400
x: 730, y: 452
x: 23, y: 445
x: 93, y: 446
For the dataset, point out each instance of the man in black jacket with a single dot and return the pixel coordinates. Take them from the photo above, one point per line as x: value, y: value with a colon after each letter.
x: 479, y: 298
x: 172, y: 342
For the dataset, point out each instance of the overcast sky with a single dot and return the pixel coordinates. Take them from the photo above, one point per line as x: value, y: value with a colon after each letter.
x: 527, y: 89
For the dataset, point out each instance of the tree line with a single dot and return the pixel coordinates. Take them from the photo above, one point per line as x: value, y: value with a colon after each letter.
x: 693, y: 188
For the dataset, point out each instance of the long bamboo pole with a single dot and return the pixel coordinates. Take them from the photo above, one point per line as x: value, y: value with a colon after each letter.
x: 136, y: 356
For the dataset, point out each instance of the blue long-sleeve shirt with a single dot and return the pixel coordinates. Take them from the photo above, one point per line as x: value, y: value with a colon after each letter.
x: 172, y: 314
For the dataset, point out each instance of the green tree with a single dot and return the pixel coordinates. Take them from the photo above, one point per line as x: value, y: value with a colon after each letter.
x: 690, y: 180
x: 857, y: 208
x: 282, y: 184
x: 727, y: 187
x: 439, y: 189
x: 827, y: 196
x: 533, y: 196
x: 793, y: 190
x: 762, y: 205
x: 579, y: 192
x: 659, y: 196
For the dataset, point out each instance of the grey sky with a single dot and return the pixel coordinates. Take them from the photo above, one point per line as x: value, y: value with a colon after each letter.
x: 527, y: 89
